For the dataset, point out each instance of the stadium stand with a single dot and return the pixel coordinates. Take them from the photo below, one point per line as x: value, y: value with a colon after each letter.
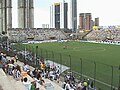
x: 104, y: 34
x: 20, y: 34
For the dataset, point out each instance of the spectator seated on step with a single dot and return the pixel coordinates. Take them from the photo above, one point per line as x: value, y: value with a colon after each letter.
x: 11, y: 66
x: 17, y: 72
x: 26, y: 83
x: 35, y: 72
x: 25, y: 67
x: 39, y: 79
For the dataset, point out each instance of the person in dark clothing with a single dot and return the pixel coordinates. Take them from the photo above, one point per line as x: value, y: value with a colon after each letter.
x: 92, y: 86
x: 84, y: 88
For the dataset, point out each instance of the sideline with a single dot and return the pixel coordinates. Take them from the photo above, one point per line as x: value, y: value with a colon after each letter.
x: 116, y: 43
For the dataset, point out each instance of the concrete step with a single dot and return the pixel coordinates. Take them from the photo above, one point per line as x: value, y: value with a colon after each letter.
x: 18, y: 85
x: 57, y: 86
x: 5, y: 82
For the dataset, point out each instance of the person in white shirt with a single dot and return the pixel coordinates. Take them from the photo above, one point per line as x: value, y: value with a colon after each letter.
x: 67, y: 86
x: 26, y: 83
x: 25, y: 67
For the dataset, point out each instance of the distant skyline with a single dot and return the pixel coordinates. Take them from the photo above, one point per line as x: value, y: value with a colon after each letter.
x: 107, y: 11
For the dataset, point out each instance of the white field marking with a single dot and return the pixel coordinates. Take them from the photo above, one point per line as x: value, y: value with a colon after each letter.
x: 100, y: 81
x: 95, y: 50
x: 87, y: 50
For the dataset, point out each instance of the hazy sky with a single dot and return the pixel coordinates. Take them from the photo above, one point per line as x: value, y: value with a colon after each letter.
x: 106, y: 10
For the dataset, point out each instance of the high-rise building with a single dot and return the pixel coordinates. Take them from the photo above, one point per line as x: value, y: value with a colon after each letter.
x: 25, y: 14
x: 74, y: 15
x: 88, y: 21
x: 52, y: 17
x: 97, y: 21
x: 92, y: 24
x: 65, y: 15
x: 85, y: 21
x: 81, y: 21
x: 59, y: 15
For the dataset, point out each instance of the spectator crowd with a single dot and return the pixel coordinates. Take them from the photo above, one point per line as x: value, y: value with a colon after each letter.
x: 44, y: 71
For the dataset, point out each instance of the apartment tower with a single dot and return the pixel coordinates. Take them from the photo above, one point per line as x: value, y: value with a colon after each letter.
x: 85, y: 21
x: 59, y: 15
x: 74, y: 15
x: 97, y: 21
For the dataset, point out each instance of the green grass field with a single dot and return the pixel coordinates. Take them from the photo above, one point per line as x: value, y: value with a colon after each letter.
x: 103, y: 53
x: 100, y: 61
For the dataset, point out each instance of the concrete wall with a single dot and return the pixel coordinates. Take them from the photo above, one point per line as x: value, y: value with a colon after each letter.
x: 20, y: 14
x: 31, y: 14
x: 25, y: 14
x: 6, y: 14
x: 9, y: 13
x: 1, y: 17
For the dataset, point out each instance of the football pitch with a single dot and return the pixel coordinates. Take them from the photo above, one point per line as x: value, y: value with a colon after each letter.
x: 99, y: 62
x: 101, y: 53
